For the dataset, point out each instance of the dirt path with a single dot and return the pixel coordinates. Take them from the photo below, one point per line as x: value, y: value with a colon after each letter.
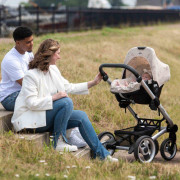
x: 158, y: 159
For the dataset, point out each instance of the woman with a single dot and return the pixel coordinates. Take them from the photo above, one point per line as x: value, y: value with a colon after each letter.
x: 43, y: 103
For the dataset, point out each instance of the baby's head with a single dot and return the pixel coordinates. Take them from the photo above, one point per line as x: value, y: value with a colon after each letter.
x: 146, y: 76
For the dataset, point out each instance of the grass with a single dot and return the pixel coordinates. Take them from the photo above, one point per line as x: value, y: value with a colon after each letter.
x: 81, y: 55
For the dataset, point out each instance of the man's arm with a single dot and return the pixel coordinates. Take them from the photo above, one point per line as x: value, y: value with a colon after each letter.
x: 20, y: 81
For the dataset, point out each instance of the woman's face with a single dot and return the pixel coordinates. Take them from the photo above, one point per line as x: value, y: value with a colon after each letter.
x: 55, y: 57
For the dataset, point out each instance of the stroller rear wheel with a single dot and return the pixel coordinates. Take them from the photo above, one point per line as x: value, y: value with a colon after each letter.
x: 106, y: 139
x: 168, y: 150
x: 145, y: 149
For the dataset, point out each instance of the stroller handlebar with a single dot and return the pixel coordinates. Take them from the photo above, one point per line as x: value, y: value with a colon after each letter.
x: 124, y: 66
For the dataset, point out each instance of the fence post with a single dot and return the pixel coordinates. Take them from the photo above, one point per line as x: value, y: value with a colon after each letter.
x: 67, y: 17
x: 37, y: 20
x: 20, y: 20
x: 80, y: 18
x: 53, y: 19
x: 0, y: 21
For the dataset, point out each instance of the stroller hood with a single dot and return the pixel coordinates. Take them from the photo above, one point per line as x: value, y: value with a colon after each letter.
x: 144, y: 58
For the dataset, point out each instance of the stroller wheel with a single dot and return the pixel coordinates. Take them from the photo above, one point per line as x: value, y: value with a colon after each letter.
x: 168, y: 150
x: 145, y: 149
x: 106, y: 139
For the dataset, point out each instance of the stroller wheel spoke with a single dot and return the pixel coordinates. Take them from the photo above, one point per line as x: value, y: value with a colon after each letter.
x: 141, y: 150
x: 146, y: 143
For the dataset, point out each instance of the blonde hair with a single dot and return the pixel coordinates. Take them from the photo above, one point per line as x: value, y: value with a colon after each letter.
x: 43, y: 55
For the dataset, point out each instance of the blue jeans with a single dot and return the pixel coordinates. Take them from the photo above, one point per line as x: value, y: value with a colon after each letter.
x: 9, y: 102
x: 63, y: 117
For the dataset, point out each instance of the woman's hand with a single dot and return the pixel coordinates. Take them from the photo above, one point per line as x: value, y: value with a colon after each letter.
x: 59, y: 95
x: 96, y: 81
x: 98, y: 78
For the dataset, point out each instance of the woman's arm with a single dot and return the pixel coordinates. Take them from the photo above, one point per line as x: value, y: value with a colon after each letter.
x: 81, y: 88
x: 35, y: 100
x: 96, y: 81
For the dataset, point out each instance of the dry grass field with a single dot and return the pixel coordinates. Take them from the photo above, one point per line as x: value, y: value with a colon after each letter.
x: 81, y: 55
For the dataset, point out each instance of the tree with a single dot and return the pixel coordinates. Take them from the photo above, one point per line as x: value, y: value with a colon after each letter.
x: 116, y: 3
x: 75, y: 3
x: 46, y: 3
x: 71, y: 3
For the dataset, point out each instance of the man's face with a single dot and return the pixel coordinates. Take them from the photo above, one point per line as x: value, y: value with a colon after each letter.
x: 25, y: 44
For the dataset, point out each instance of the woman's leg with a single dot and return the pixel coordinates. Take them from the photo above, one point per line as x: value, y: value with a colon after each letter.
x: 81, y: 120
x: 57, y: 118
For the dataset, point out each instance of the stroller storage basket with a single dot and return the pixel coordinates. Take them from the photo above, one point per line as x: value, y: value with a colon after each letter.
x: 136, y: 130
x: 128, y: 136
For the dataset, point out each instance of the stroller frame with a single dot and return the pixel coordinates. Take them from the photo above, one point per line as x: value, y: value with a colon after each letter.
x: 141, y: 140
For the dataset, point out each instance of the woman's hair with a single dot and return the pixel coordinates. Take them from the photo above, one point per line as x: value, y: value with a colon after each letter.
x: 43, y: 55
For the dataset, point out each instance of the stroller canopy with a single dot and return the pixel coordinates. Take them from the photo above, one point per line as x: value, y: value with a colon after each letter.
x: 145, y: 58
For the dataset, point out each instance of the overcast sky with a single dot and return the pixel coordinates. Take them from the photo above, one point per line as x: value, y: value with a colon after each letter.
x: 16, y: 2
x: 12, y: 2
x: 130, y: 2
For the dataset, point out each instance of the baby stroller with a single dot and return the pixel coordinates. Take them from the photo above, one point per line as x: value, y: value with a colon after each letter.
x: 141, y: 139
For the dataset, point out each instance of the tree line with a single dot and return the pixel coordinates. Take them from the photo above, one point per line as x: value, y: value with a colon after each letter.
x: 68, y: 3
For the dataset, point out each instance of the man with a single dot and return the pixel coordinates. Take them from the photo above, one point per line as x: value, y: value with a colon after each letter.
x: 14, y: 65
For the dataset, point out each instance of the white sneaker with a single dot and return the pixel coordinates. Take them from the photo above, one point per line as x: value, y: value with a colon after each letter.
x: 75, y: 140
x: 111, y: 159
x: 74, y: 137
x: 63, y: 146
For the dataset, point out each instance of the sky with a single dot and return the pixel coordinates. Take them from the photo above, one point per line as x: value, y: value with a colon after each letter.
x: 130, y: 2
x: 15, y: 3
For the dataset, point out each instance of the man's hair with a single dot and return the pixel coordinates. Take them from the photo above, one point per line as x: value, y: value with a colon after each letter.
x: 21, y: 33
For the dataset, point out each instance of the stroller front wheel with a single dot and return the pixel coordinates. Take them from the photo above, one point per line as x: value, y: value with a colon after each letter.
x: 145, y: 149
x: 168, y: 149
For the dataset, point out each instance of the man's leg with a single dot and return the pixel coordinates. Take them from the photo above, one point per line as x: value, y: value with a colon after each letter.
x: 9, y: 102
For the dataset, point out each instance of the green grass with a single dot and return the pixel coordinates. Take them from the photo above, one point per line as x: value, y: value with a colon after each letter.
x: 81, y: 55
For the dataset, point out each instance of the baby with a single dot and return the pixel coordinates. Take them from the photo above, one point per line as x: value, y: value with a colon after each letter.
x: 129, y: 84
x: 146, y: 75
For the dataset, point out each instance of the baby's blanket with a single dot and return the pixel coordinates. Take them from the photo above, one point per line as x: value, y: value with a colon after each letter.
x: 124, y: 86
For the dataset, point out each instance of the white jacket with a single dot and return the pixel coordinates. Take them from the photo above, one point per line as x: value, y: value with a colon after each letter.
x: 34, y: 98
